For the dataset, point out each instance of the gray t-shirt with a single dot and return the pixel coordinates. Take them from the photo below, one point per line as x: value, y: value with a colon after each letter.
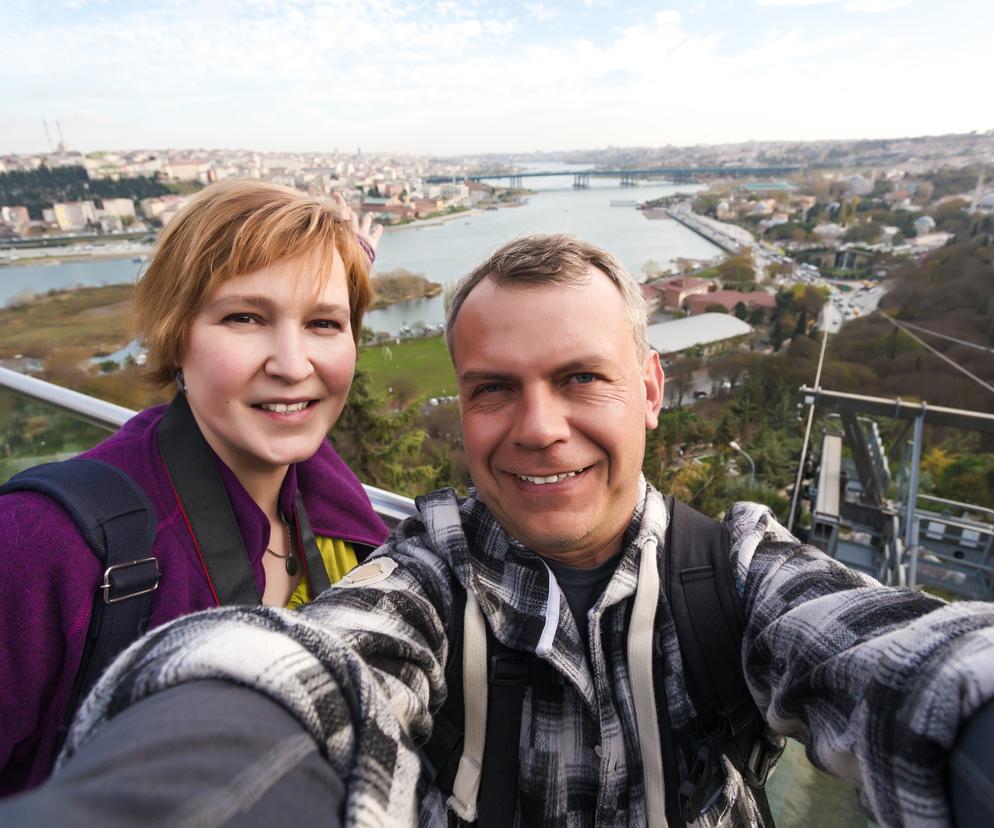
x: 583, y: 588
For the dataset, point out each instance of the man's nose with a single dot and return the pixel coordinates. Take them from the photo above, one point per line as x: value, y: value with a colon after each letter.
x: 288, y: 358
x: 541, y: 419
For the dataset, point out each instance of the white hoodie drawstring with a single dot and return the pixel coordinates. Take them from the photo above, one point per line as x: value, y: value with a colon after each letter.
x: 640, y: 633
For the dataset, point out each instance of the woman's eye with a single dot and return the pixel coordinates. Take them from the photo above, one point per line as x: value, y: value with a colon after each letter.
x: 242, y: 318
x: 327, y: 325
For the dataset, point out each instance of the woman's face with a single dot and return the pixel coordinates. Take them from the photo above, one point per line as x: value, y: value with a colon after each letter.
x: 268, y: 364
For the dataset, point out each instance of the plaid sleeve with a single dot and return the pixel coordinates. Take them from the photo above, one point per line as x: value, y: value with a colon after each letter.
x: 360, y: 668
x: 876, y: 681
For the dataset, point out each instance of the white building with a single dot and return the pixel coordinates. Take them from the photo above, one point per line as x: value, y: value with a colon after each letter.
x: 455, y: 193
x: 111, y: 223
x: 74, y: 215
x: 121, y: 207
x: 706, y: 329
x: 924, y: 225
x: 189, y: 169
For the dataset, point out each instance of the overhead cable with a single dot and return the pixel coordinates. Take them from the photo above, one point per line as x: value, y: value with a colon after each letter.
x: 950, y: 338
x: 900, y: 326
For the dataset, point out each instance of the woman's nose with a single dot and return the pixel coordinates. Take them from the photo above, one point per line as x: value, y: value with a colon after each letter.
x: 288, y: 358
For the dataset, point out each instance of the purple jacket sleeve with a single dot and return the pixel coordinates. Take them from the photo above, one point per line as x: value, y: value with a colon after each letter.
x: 47, y: 578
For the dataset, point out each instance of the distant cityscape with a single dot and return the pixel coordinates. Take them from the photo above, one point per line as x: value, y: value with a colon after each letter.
x: 394, y: 187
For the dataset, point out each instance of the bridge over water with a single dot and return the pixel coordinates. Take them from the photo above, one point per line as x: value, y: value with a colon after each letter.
x: 627, y: 177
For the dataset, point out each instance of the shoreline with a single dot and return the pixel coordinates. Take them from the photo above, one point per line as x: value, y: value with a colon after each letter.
x: 71, y: 258
x: 431, y: 222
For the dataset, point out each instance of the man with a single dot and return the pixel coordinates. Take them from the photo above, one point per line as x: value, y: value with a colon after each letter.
x: 559, y: 546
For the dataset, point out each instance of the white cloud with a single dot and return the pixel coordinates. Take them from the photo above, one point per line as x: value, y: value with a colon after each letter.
x: 795, y: 2
x: 542, y: 11
x: 865, y: 6
x: 875, y: 6
x: 445, y: 77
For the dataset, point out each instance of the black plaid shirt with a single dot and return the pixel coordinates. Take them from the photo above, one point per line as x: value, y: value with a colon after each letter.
x: 876, y: 681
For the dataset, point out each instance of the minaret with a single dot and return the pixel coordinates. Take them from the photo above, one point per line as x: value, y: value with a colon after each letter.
x: 978, y: 193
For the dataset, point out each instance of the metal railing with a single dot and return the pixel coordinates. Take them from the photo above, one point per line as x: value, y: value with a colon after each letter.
x: 391, y: 507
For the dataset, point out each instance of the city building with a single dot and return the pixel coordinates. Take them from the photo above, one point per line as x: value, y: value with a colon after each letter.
x: 121, y: 207
x: 189, y: 169
x: 676, y: 292
x: 728, y: 299
x: 16, y: 217
x: 455, y: 193
x: 111, y: 223
x: 711, y: 331
x: 74, y: 215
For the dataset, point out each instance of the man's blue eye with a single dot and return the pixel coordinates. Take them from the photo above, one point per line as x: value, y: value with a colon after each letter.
x: 583, y: 378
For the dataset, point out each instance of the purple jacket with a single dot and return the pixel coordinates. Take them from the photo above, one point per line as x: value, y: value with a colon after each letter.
x: 48, y: 579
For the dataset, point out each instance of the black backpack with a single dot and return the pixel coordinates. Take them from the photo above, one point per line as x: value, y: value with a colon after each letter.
x: 697, y: 577
x: 118, y: 523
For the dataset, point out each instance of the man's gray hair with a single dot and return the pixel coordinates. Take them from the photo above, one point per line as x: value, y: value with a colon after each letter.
x: 554, y: 259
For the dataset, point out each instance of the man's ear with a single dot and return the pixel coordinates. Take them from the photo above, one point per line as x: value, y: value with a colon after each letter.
x: 652, y: 375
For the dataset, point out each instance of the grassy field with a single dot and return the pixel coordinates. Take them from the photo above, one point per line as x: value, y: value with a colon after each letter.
x: 423, y: 364
x: 95, y: 319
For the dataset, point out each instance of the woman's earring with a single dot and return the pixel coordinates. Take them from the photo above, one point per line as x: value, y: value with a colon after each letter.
x: 180, y: 381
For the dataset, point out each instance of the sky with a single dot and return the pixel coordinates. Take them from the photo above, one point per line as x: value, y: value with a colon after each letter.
x: 451, y: 77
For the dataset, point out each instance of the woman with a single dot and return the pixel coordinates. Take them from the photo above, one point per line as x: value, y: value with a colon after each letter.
x: 252, y: 305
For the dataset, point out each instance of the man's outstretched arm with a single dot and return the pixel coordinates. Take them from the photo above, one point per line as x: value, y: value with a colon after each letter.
x: 359, y: 669
x: 204, y: 753
x: 877, y: 682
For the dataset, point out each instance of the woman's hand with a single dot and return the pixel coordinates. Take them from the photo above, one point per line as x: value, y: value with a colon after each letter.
x: 366, y: 232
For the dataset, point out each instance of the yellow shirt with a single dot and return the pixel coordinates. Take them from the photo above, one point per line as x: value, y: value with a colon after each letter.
x: 339, y: 559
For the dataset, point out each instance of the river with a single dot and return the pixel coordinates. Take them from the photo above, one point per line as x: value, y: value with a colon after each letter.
x: 444, y: 252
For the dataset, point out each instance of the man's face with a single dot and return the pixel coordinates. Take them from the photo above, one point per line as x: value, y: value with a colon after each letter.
x: 555, y: 404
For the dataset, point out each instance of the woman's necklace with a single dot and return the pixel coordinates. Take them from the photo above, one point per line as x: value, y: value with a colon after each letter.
x: 289, y: 559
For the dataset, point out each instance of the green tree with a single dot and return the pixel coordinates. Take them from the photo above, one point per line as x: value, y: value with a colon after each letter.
x: 866, y: 232
x: 737, y: 272
x: 382, y: 448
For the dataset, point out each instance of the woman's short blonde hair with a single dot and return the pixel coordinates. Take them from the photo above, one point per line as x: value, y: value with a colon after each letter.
x: 231, y: 229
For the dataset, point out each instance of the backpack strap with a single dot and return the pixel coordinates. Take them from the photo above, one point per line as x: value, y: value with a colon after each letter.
x: 308, y: 544
x: 509, y: 674
x: 118, y: 523
x: 477, y: 764
x: 709, y: 620
x: 440, y: 755
x: 200, y: 491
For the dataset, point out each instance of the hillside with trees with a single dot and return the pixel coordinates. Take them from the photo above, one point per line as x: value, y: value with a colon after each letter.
x: 40, y: 189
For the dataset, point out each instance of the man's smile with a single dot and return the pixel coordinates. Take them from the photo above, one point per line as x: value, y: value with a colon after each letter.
x: 554, y: 477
